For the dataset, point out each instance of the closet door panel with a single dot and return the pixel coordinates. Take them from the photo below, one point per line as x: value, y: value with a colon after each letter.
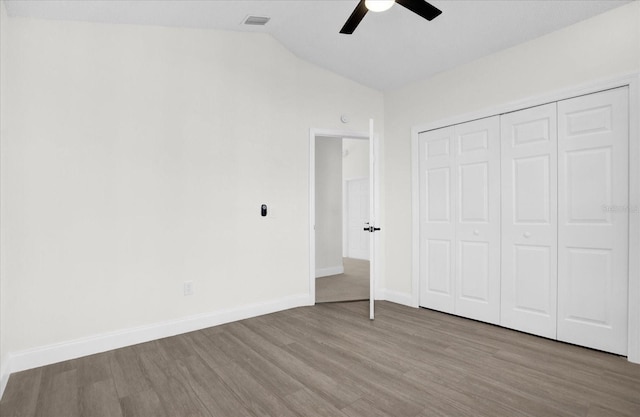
x: 532, y: 285
x: 529, y: 220
x: 477, y: 225
x: 437, y: 234
x: 589, y: 185
x: 473, y: 271
x: 474, y: 192
x: 531, y: 178
x: 593, y: 220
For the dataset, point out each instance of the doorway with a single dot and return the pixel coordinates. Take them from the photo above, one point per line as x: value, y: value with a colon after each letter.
x: 342, y: 213
x: 340, y: 203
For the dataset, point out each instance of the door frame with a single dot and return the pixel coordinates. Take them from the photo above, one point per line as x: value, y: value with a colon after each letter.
x: 631, y: 80
x: 316, y: 133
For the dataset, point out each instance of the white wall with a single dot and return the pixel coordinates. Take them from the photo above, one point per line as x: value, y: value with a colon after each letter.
x: 328, y: 206
x: 136, y: 158
x: 3, y: 86
x: 600, y: 47
x: 355, y: 163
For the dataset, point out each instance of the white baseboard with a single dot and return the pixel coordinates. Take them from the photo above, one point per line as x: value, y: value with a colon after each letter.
x: 46, y: 355
x: 332, y: 270
x: 395, y: 297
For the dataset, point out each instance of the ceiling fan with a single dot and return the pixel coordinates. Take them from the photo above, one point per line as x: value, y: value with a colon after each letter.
x: 419, y: 7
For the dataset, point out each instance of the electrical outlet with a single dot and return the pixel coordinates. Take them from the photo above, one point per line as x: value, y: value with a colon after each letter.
x: 188, y: 288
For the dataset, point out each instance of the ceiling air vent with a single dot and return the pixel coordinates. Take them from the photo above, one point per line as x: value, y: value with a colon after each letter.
x: 256, y: 20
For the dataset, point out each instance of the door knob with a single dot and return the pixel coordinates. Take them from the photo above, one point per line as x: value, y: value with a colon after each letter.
x: 526, y: 235
x: 476, y: 232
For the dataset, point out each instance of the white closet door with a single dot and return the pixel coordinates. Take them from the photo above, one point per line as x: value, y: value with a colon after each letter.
x: 477, y: 228
x: 593, y: 141
x: 529, y: 220
x: 437, y: 231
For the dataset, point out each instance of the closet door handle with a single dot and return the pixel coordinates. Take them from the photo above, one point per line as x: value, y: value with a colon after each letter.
x: 476, y: 232
x: 527, y: 235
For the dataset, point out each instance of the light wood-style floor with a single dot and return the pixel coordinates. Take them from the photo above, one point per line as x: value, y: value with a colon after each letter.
x: 330, y: 360
x: 352, y: 285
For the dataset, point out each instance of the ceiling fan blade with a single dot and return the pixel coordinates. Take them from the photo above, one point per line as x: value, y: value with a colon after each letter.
x: 421, y: 8
x: 354, y: 20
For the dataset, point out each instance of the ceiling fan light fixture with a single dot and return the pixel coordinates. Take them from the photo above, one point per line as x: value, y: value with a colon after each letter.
x: 379, y: 5
x: 420, y: 7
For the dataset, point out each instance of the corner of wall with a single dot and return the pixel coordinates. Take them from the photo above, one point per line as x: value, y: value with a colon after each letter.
x: 4, y: 370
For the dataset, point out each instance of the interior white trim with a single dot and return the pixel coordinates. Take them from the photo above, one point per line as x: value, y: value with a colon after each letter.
x: 633, y: 353
x: 332, y: 270
x: 345, y: 219
x: 415, y: 218
x: 632, y: 80
x: 46, y: 355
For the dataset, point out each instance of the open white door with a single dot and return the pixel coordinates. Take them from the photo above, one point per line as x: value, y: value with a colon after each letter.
x: 372, y: 224
x: 373, y: 221
x: 356, y: 193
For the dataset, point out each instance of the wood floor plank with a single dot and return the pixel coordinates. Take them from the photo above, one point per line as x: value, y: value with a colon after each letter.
x: 371, y: 377
x: 177, y: 347
x: 100, y: 399
x: 582, y: 383
x: 211, y: 390
x: 306, y: 403
x: 268, y: 327
x: 537, y: 385
x: 371, y: 370
x: 208, y: 352
x: 387, y: 398
x: 253, y: 396
x: 21, y: 395
x: 162, y: 370
x: 155, y: 367
x: 178, y: 399
x: 356, y: 338
x: 331, y: 360
x: 143, y: 404
x: 229, y: 346
x: 262, y: 369
x: 127, y: 373
x: 94, y: 368
x: 365, y: 407
x: 59, y: 395
x: 315, y: 379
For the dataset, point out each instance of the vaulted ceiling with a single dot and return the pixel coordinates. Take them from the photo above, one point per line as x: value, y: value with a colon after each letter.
x: 388, y: 49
